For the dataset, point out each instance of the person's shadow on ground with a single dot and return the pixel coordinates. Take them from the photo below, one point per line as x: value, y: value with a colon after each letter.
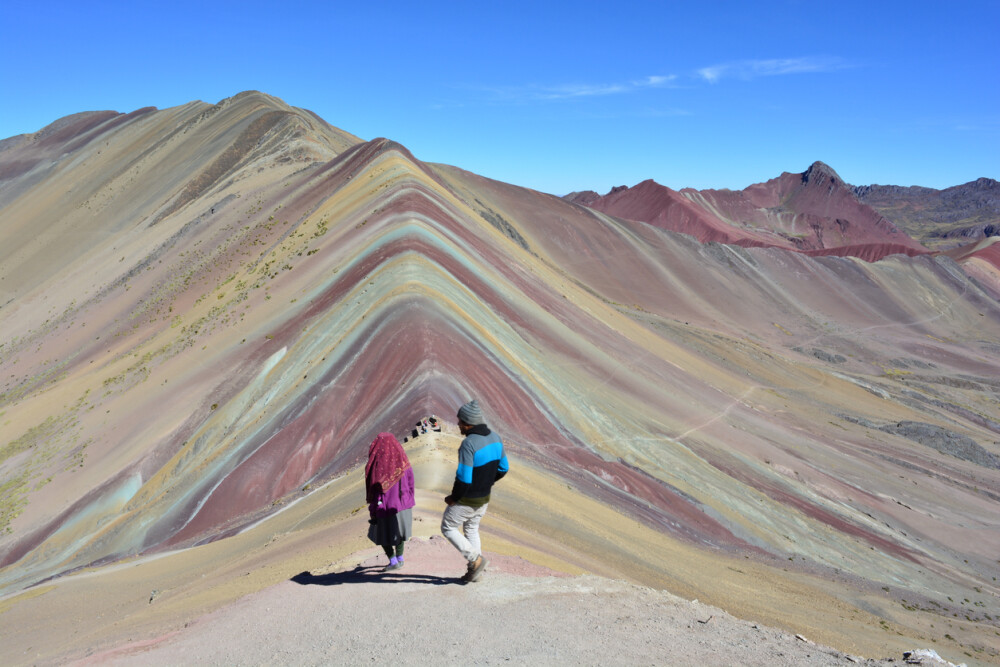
x: 370, y: 575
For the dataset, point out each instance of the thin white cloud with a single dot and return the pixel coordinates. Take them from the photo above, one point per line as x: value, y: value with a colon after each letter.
x: 655, y: 81
x: 984, y: 124
x: 646, y: 112
x: 579, y: 90
x: 712, y: 74
x: 752, y: 69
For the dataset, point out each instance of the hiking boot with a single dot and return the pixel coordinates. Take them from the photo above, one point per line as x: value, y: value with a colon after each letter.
x: 476, y: 568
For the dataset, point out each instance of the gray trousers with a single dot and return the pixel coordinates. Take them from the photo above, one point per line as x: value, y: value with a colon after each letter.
x: 460, y: 524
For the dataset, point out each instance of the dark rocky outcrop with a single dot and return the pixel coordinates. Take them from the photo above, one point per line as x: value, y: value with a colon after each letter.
x: 970, y: 211
x: 936, y: 437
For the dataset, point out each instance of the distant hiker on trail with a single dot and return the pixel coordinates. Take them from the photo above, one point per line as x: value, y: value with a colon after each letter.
x: 389, y: 490
x: 481, y: 462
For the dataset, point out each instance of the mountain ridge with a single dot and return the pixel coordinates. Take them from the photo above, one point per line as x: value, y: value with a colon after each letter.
x: 814, y: 211
x: 970, y: 211
x: 204, y: 320
x: 903, y: 219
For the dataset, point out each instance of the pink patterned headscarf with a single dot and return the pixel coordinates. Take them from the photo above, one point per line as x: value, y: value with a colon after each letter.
x: 387, y: 461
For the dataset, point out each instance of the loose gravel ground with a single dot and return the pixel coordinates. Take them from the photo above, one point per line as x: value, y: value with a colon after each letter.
x: 518, y: 613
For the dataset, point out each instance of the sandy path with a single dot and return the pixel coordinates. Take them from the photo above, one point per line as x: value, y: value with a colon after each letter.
x: 518, y: 613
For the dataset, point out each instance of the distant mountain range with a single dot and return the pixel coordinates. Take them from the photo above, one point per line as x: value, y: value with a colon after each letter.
x: 939, y: 218
x: 815, y: 212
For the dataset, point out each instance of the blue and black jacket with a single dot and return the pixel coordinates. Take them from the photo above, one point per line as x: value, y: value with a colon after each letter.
x: 481, y: 462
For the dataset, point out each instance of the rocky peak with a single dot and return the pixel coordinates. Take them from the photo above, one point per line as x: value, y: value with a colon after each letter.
x: 820, y: 172
x: 582, y: 197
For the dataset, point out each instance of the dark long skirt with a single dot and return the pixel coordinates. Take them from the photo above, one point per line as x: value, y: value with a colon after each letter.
x: 388, y: 531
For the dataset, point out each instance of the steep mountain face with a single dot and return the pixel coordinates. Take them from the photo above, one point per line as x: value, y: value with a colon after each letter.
x: 939, y: 218
x: 674, y: 211
x: 813, y: 212
x: 124, y: 172
x: 208, y: 310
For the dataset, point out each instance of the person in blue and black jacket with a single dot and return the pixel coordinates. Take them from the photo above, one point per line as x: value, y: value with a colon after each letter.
x: 481, y: 462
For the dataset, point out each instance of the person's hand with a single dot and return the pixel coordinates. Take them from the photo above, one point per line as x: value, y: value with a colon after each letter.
x: 449, y: 501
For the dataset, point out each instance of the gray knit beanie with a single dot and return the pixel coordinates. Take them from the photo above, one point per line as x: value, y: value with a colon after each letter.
x: 471, y: 414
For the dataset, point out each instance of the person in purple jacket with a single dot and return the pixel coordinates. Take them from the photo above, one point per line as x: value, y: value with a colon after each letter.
x: 389, y: 491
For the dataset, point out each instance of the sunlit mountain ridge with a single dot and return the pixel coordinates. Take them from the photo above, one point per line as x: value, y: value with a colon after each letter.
x: 207, y: 312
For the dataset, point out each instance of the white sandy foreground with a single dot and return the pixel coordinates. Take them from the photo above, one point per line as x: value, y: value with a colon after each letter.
x: 518, y: 613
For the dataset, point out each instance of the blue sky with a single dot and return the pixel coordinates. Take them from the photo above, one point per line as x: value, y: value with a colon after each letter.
x: 554, y: 96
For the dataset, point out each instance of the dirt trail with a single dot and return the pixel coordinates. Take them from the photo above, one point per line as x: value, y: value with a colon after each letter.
x: 518, y: 613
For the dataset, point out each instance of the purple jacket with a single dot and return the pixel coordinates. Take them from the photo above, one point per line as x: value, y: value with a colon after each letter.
x: 396, y: 499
